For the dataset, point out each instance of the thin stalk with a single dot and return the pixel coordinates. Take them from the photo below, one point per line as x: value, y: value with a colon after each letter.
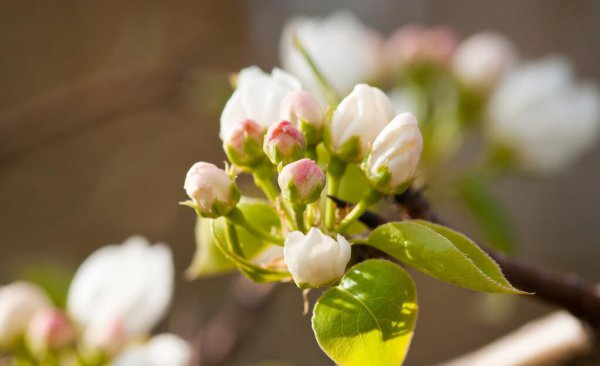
x: 330, y: 93
x: 237, y: 217
x: 335, y: 172
x: 299, y: 216
x: 371, y: 197
x: 232, y: 238
x: 263, y: 178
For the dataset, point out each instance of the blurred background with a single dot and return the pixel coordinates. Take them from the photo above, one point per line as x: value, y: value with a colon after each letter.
x: 105, y: 105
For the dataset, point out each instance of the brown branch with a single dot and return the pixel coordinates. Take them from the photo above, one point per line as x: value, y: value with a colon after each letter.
x: 218, y: 342
x: 568, y: 291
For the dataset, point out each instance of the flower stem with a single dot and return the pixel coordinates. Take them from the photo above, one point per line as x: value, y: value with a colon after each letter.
x: 371, y: 197
x: 335, y: 172
x: 237, y: 217
x: 263, y: 178
x: 330, y: 93
x: 299, y: 216
x: 233, y: 239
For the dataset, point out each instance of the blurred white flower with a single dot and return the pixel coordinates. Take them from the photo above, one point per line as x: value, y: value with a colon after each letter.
x: 257, y: 97
x: 356, y: 122
x: 392, y: 162
x: 544, y: 114
x: 128, y: 286
x: 483, y: 59
x: 315, y: 259
x: 160, y: 350
x: 344, y: 49
x: 19, y: 302
x: 414, y: 43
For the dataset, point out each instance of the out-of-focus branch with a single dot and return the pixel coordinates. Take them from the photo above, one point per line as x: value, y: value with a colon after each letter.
x: 554, y: 338
x: 569, y: 291
x: 219, y: 340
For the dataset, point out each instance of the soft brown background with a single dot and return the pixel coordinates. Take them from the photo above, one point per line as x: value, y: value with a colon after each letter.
x: 104, y: 105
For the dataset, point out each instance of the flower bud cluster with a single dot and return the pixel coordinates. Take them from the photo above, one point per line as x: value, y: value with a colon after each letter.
x: 363, y: 129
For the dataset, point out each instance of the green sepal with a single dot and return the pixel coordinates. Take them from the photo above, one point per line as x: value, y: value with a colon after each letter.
x: 209, y: 260
x: 253, y: 271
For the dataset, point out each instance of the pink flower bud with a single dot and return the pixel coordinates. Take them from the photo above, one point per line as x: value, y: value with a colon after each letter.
x: 49, y: 329
x: 107, y: 337
x: 304, y: 112
x: 243, y: 145
x: 284, y: 143
x: 302, y: 181
x: 212, y: 191
x: 19, y: 302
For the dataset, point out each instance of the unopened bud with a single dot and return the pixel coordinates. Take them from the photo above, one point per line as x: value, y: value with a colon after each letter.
x: 302, y: 181
x: 356, y: 122
x: 315, y: 259
x: 483, y: 59
x: 304, y: 112
x: 391, y: 164
x: 243, y: 145
x: 212, y: 191
x: 18, y: 304
x: 49, y: 329
x: 284, y: 143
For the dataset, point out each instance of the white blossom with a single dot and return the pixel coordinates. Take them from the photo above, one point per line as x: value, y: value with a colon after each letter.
x: 546, y: 116
x: 344, y: 49
x: 315, y: 259
x: 356, y: 122
x: 258, y: 97
x: 19, y: 302
x: 392, y: 162
x: 160, y: 350
x: 483, y: 59
x: 128, y: 285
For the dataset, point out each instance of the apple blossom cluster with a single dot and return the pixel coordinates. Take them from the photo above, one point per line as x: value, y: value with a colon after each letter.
x: 535, y: 115
x: 117, y: 296
x: 298, y: 151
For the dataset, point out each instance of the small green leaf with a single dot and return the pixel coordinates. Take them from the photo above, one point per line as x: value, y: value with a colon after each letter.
x: 255, y: 272
x: 442, y: 253
x: 209, y: 260
x: 368, y: 319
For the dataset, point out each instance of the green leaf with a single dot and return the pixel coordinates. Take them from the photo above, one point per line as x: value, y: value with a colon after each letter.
x: 488, y: 212
x: 209, y: 259
x: 442, y: 253
x: 255, y: 272
x: 368, y: 319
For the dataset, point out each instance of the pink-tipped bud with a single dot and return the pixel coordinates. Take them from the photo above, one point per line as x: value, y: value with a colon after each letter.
x: 304, y: 112
x: 49, y: 329
x: 243, y: 145
x: 284, y: 143
x: 302, y: 181
x: 106, y: 337
x: 212, y: 191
